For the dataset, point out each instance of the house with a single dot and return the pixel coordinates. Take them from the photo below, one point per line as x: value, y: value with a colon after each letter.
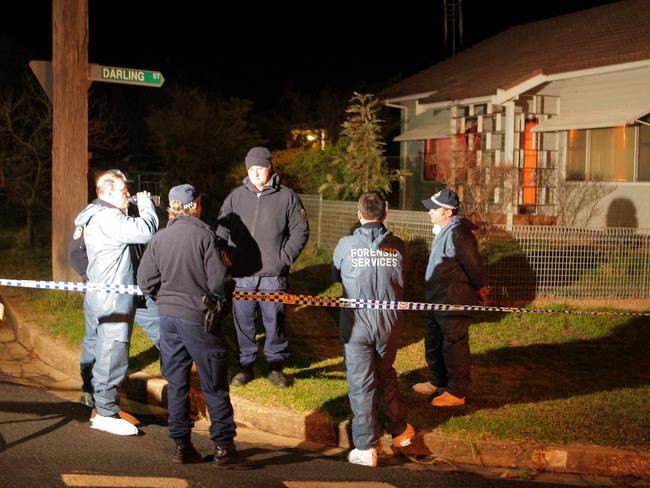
x: 563, y: 103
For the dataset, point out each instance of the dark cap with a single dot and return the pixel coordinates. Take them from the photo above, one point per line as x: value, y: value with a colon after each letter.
x: 258, y: 156
x: 444, y: 198
x: 185, y: 193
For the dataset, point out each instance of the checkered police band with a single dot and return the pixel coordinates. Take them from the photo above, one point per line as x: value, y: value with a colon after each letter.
x: 439, y: 203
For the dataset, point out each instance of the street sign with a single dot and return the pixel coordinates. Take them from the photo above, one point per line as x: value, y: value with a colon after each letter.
x: 129, y: 76
x: 43, y: 72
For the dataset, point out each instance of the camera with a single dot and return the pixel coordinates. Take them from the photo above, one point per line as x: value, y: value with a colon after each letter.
x: 133, y: 199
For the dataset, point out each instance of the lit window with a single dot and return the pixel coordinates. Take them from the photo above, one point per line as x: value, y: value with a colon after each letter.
x: 576, y: 155
x: 611, y: 154
x: 644, y: 153
x: 438, y: 161
x: 608, y: 154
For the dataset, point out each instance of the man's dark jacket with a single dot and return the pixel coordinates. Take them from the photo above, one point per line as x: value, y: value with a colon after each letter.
x: 268, y: 228
x: 455, y: 272
x: 181, y: 264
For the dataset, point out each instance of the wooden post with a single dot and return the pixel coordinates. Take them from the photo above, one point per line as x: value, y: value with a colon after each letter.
x: 70, y: 127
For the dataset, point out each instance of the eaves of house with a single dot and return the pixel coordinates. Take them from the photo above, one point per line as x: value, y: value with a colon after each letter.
x: 616, y: 34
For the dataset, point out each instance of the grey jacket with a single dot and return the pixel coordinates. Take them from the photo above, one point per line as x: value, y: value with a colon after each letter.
x: 108, y: 232
x: 371, y: 264
x: 454, y: 271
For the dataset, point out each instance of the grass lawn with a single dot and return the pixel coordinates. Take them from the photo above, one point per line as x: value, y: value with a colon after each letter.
x: 548, y: 378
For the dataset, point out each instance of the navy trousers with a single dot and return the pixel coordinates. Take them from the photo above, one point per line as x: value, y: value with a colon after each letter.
x: 182, y: 342
x: 372, y: 380
x: 276, y: 345
x: 446, y: 350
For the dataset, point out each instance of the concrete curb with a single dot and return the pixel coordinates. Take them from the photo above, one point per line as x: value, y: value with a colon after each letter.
x: 569, y: 458
x: 320, y: 428
x: 52, y: 351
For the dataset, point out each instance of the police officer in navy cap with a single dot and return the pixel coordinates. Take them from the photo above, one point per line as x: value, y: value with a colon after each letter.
x: 182, y: 264
x: 454, y: 275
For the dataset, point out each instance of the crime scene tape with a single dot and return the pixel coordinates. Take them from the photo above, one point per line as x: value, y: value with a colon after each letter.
x: 309, y: 300
x: 74, y: 286
x: 314, y: 301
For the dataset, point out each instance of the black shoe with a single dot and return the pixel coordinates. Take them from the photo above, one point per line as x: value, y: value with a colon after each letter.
x: 244, y: 376
x: 227, y: 457
x: 87, y: 399
x: 277, y: 378
x: 186, y: 454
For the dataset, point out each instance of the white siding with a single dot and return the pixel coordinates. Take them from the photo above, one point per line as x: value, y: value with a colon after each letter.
x: 627, y: 206
x: 600, y: 92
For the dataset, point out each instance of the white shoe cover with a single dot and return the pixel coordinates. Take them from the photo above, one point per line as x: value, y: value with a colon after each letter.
x: 113, y: 425
x: 363, y: 457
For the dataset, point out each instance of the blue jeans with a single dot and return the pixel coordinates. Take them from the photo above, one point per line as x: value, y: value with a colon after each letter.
x: 181, y: 343
x: 276, y: 345
x: 147, y: 318
x: 111, y: 360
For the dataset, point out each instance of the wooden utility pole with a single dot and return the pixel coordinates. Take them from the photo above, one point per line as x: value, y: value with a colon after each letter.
x: 70, y: 127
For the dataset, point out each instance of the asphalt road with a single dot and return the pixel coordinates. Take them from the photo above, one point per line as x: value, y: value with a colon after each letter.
x: 46, y: 441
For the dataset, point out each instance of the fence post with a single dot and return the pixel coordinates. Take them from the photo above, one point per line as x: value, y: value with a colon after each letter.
x: 320, y: 220
x: 509, y: 220
x: 646, y: 278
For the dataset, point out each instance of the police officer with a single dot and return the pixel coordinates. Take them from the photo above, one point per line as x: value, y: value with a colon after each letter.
x: 268, y: 226
x: 371, y: 265
x: 454, y: 275
x: 182, y: 264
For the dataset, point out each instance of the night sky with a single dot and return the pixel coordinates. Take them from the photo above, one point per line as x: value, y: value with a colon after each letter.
x: 260, y: 52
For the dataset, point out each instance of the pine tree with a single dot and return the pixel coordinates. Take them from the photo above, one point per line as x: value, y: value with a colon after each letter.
x: 361, y: 166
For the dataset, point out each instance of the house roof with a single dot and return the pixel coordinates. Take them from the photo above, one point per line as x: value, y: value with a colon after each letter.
x: 610, y: 34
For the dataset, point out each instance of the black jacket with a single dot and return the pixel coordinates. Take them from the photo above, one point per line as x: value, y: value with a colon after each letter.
x: 455, y: 272
x: 268, y: 229
x: 181, y: 264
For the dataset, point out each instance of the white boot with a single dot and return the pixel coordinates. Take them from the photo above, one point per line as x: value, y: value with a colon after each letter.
x: 113, y: 425
x: 363, y: 457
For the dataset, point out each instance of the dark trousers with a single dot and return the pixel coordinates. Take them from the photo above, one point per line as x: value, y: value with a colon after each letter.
x: 372, y: 382
x: 182, y: 342
x: 276, y: 345
x: 446, y: 350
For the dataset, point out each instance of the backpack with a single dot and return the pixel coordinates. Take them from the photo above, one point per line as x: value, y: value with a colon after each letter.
x: 77, y: 253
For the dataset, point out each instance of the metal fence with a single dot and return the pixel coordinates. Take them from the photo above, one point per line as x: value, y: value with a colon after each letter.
x: 524, y: 262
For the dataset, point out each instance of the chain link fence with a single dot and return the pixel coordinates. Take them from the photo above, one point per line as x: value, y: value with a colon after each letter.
x: 524, y: 262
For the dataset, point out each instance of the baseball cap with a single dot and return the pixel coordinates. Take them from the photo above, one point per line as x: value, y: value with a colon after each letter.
x: 184, y: 193
x: 444, y: 198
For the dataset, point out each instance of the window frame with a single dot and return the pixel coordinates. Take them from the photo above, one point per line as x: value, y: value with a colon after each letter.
x: 587, y: 165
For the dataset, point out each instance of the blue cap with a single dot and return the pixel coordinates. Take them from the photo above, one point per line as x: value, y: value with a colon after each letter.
x: 444, y: 198
x: 185, y: 193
